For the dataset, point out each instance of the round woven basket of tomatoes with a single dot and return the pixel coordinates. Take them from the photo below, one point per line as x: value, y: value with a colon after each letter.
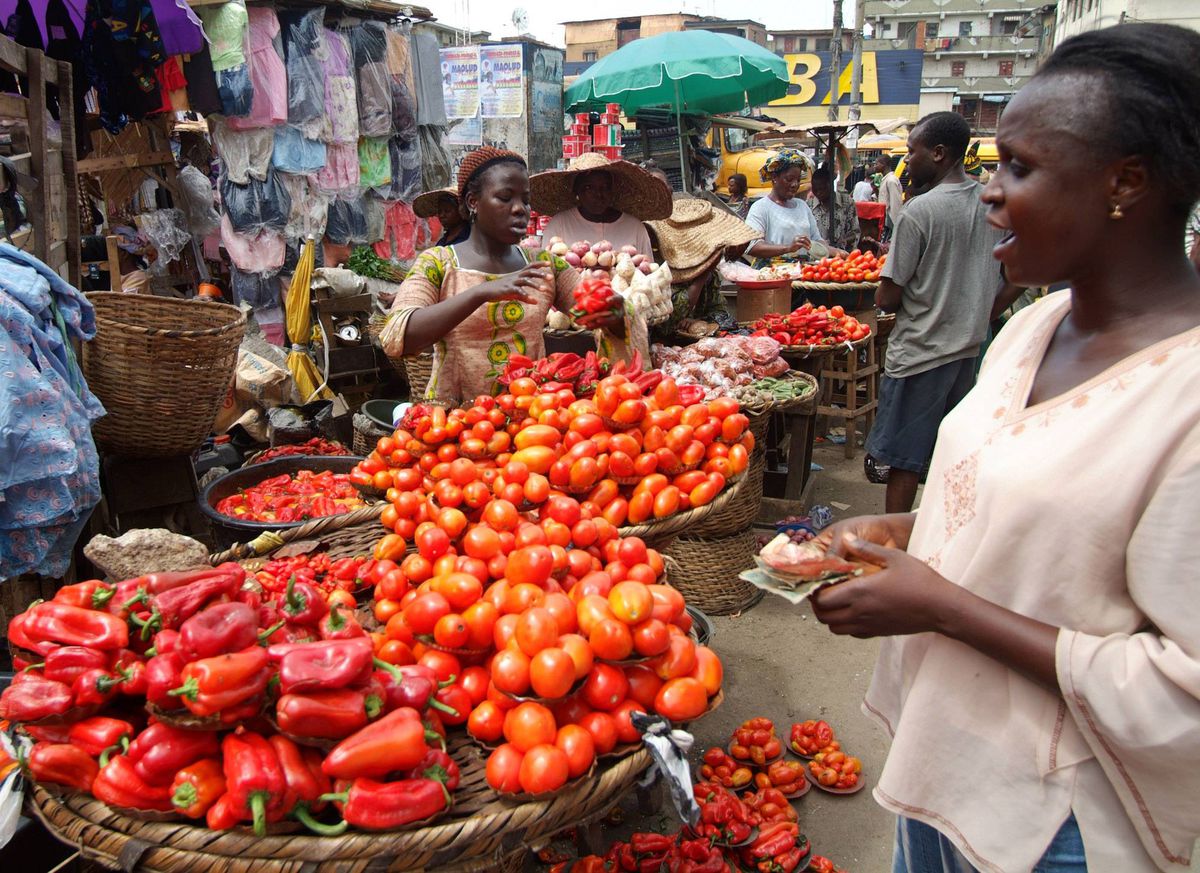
x: 857, y: 271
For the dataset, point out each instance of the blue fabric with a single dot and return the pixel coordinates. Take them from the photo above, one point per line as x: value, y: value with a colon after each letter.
x: 49, y: 467
x: 295, y: 154
x: 911, y: 409
x: 235, y: 90
x: 923, y: 849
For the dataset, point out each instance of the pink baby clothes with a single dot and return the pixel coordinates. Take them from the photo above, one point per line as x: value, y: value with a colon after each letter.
x: 253, y: 253
x: 340, y: 174
x: 267, y: 73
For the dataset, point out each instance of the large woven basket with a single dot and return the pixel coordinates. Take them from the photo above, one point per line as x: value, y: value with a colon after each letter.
x: 706, y: 572
x: 367, y: 432
x: 417, y: 369
x: 482, y: 832
x: 161, y: 367
x: 660, y: 533
x: 352, y: 533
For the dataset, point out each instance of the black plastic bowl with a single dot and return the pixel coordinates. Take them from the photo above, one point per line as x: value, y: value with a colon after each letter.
x: 227, y: 530
x: 380, y: 412
x: 701, y: 625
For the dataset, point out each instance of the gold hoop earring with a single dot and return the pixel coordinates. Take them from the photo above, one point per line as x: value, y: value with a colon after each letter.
x: 1115, y: 213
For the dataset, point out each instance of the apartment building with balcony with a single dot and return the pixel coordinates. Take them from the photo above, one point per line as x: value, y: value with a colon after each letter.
x: 1076, y: 16
x: 791, y: 42
x: 977, y: 53
x: 589, y: 41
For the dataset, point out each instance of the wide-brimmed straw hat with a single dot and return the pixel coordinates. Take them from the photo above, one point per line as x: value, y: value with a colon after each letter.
x: 635, y: 191
x: 696, y: 235
x: 427, y: 204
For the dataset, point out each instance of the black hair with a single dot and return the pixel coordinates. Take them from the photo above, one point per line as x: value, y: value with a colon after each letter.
x: 1149, y: 98
x: 475, y: 182
x: 947, y: 129
x: 822, y: 172
x: 741, y: 177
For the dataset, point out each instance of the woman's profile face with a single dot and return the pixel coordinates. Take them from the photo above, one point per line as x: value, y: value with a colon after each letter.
x: 1052, y: 203
x: 502, y: 205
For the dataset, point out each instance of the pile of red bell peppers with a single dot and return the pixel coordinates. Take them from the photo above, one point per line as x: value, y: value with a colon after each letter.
x: 196, y: 693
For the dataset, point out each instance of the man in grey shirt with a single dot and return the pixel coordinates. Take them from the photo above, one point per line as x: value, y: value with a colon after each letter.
x: 942, y: 282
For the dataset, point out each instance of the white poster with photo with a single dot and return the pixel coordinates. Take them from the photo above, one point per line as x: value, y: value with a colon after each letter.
x: 460, y: 81
x: 501, y: 81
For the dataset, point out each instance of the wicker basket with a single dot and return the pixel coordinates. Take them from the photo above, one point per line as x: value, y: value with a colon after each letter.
x: 760, y: 415
x: 367, y: 432
x: 352, y: 533
x: 482, y: 832
x: 419, y: 370
x: 660, y: 533
x: 161, y: 367
x: 743, y: 507
x: 706, y: 572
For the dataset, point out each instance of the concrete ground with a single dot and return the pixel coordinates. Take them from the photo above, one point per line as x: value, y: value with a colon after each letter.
x: 781, y: 663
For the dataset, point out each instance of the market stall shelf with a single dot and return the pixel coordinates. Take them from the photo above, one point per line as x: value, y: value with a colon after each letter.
x: 483, y: 832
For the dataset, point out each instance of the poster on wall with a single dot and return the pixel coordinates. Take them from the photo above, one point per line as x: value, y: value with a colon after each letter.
x: 460, y: 81
x: 466, y: 132
x: 501, y: 81
x: 547, y: 65
x: 547, y: 107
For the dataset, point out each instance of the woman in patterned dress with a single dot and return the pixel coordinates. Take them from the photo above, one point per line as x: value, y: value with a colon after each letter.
x: 480, y: 301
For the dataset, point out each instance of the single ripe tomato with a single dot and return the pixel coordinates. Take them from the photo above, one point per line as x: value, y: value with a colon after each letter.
x: 537, y: 629
x: 631, y: 602
x: 481, y: 542
x: 433, y: 542
x: 581, y: 654
x: 504, y: 769
x: 603, y: 729
x: 622, y: 718
x: 532, y: 564
x: 544, y: 768
x: 644, y: 684
x: 529, y: 725
x: 708, y: 670
x: 474, y: 680
x: 681, y: 699
x: 443, y: 664
x: 577, y: 744
x: 563, y: 610
x: 611, y: 640
x: 606, y: 687
x: 591, y: 609
x: 451, y: 631
x: 423, y: 614
x: 551, y: 673
x: 678, y: 660
x: 510, y: 671
x: 651, y: 638
x: 481, y: 620
x: 486, y: 722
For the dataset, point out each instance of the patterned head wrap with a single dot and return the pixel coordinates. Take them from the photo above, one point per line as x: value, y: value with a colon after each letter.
x: 783, y: 161
x: 479, y: 160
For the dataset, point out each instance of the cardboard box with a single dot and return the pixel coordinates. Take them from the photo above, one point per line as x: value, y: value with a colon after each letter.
x: 753, y: 305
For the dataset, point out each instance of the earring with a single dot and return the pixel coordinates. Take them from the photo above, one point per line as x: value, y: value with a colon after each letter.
x: 473, y: 214
x: 1115, y: 213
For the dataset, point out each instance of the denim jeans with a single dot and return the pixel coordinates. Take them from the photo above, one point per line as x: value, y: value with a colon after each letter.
x: 922, y: 849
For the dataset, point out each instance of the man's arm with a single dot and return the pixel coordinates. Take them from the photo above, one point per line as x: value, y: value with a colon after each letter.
x: 887, y: 295
x: 1005, y: 297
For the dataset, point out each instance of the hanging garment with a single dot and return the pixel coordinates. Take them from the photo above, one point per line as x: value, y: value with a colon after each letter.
x: 341, y: 104
x: 310, y: 209
x: 257, y: 205
x: 202, y: 83
x: 50, y: 470
x: 369, y: 43
x: 340, y: 174
x: 427, y: 81
x: 235, y: 90
x: 400, y: 231
x: 305, y: 51
x: 63, y: 43
x: 226, y: 28
x: 268, y: 77
x: 121, y: 49
x: 245, y: 154
x: 347, y: 222
x: 258, y: 252
x: 294, y: 153
x: 374, y: 162
x: 171, y: 86
x: 400, y: 72
x: 256, y: 290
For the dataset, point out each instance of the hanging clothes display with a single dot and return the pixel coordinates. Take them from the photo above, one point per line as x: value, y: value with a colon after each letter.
x: 340, y: 175
x: 304, y: 50
x: 369, y: 43
x: 310, y: 208
x: 245, y: 154
x: 399, y: 233
x: 257, y: 205
x: 50, y: 475
x: 347, y: 224
x: 400, y: 72
x: 295, y: 153
x: 227, y: 27
x: 341, y: 104
x: 121, y: 50
x: 257, y: 252
x: 268, y: 76
x: 374, y: 162
x: 172, y: 86
x: 202, y: 83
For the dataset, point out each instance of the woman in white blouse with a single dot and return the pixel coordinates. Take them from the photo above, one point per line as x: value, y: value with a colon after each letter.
x: 1041, y: 676
x: 788, y: 226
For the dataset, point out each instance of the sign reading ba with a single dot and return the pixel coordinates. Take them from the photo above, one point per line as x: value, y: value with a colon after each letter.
x: 888, y: 78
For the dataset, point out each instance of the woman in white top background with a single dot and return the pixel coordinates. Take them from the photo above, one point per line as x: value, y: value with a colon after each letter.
x: 1040, y: 676
x: 788, y: 226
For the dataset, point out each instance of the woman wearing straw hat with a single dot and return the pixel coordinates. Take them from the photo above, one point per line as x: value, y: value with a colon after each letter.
x: 598, y: 199
x: 479, y: 302
x: 693, y: 242
x: 444, y: 205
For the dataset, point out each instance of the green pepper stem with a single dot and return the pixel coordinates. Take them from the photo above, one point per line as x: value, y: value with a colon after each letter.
x: 302, y: 815
x: 336, y: 620
x: 449, y: 710
x: 184, y: 796
x: 37, y: 666
x: 270, y: 632
x: 140, y: 597
x: 389, y: 668
x: 189, y: 689
x: 258, y: 808
x: 101, y: 596
x: 449, y: 681
x: 336, y: 797
x: 374, y: 706
x: 294, y: 602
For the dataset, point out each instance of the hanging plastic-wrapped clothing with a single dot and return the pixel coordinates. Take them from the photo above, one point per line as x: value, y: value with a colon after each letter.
x: 227, y: 27
x: 374, y: 208
x: 167, y: 231
x: 257, y: 252
x: 400, y: 70
x: 268, y: 77
x: 256, y: 206
x: 369, y: 43
x: 295, y: 153
x: 310, y: 209
x: 304, y: 50
x: 374, y: 162
x: 245, y: 154
x: 340, y: 175
x: 405, y: 160
x: 427, y: 80
x: 197, y: 196
x: 400, y: 228
x: 50, y: 478
x: 436, y: 167
x: 201, y: 84
x: 121, y: 50
x: 347, y: 223
x: 256, y: 290
x: 341, y: 103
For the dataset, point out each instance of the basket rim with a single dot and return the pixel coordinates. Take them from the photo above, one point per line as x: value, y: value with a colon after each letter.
x: 777, y: 405
x: 239, y: 322
x: 316, y: 529
x: 802, y: 285
x: 675, y: 523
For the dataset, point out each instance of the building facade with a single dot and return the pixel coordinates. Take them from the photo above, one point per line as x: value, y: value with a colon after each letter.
x: 448, y: 36
x: 745, y: 28
x: 1076, y: 16
x: 977, y: 53
x: 589, y: 41
x: 790, y: 42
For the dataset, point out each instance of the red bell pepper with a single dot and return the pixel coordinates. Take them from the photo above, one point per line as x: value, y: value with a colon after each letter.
x: 338, y: 626
x: 67, y: 663
x: 132, y: 671
x: 326, y: 665
x: 75, y: 626
x: 95, y: 687
x: 197, y: 787
x: 224, y: 682
x: 410, y: 686
x: 256, y: 783
x: 32, y: 698
x: 172, y: 608
x: 118, y: 784
x: 92, y: 594
x: 223, y: 627
x: 330, y: 715
x: 222, y: 815
x: 303, y: 604
x: 99, y: 734
x: 18, y: 638
x: 395, y: 742
x: 62, y: 764
x: 437, y: 764
x: 302, y: 771
x: 384, y: 806
x: 165, y: 642
x: 59, y: 733
x: 160, y: 751
x: 164, y: 673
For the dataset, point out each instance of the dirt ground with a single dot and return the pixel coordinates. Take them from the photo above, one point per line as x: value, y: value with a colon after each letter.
x: 781, y: 663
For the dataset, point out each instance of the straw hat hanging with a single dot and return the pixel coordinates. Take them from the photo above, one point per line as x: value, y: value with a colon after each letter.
x: 696, y: 235
x: 428, y: 204
x: 635, y: 191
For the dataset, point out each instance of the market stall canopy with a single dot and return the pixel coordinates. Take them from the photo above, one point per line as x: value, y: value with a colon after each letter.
x: 695, y: 70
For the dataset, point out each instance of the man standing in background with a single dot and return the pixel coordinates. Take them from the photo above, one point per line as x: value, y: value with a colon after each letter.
x: 891, y: 194
x: 943, y: 284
